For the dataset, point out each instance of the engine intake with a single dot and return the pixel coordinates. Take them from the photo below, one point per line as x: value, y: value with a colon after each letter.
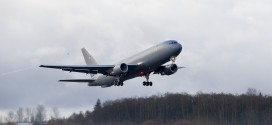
x: 119, y: 69
x: 170, y: 69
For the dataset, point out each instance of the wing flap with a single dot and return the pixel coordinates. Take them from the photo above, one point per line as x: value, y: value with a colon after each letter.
x: 81, y: 71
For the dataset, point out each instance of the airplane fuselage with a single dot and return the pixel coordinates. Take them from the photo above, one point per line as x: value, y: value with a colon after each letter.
x: 147, y: 61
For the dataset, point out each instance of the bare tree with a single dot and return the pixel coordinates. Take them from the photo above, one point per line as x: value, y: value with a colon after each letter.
x: 1, y: 119
x: 251, y: 91
x: 11, y: 117
x: 28, y: 114
x: 20, y: 115
x: 56, y: 113
x: 40, y: 114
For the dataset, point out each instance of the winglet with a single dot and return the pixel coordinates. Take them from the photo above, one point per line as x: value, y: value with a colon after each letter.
x: 88, y: 57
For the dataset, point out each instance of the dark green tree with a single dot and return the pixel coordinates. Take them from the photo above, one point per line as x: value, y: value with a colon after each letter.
x: 98, y: 105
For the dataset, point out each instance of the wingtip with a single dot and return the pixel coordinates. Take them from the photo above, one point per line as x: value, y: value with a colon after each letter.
x: 41, y: 66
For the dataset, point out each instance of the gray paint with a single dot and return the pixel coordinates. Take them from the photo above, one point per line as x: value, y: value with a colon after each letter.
x: 146, y: 61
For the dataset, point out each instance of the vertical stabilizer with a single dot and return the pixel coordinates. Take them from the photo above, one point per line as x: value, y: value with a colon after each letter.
x: 88, y: 57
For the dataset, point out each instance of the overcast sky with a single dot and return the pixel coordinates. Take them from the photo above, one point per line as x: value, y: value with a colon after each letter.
x: 227, y: 47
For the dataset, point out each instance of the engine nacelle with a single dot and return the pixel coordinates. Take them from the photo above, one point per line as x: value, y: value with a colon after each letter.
x: 170, y: 69
x: 119, y: 69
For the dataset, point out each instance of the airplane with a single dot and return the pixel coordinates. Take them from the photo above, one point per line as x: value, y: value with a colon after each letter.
x: 141, y: 64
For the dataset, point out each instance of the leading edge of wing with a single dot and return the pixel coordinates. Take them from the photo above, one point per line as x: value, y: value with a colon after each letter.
x: 77, y: 66
x: 84, y: 66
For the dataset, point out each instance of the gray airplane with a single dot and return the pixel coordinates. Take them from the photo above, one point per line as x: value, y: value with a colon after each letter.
x: 141, y: 64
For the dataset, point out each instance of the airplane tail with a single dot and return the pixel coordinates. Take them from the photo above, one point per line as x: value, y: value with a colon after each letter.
x: 88, y: 57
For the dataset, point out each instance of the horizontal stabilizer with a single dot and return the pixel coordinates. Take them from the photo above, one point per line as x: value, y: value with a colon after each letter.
x: 77, y: 80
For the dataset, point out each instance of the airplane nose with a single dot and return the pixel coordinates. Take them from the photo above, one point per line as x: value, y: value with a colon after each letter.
x: 178, y: 49
x: 180, y: 46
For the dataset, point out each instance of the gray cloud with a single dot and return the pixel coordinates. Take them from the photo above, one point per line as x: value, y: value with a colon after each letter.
x: 227, y: 47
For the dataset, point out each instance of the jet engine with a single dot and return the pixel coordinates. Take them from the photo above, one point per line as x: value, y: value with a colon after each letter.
x: 119, y: 69
x: 170, y: 69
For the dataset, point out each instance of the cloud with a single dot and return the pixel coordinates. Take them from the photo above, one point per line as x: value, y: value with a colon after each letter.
x: 226, y: 47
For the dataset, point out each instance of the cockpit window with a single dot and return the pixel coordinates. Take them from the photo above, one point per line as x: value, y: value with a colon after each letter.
x: 173, y: 42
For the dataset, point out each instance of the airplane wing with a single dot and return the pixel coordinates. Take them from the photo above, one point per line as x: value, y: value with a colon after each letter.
x: 93, y: 69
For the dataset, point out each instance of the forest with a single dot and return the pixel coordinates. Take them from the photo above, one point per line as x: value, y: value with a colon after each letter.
x: 250, y: 108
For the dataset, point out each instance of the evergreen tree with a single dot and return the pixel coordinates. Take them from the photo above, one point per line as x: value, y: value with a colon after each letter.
x: 98, y: 105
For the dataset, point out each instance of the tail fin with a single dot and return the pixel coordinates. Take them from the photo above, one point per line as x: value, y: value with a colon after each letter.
x: 88, y: 57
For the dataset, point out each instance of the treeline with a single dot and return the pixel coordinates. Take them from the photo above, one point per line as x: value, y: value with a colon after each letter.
x: 251, y: 108
x: 36, y: 116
